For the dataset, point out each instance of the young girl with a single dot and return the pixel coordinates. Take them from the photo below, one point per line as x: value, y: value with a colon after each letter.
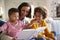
x: 38, y: 21
x: 13, y: 26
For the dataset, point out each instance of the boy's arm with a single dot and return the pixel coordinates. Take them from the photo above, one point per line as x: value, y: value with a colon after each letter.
x: 0, y: 30
x: 14, y: 39
x: 3, y: 27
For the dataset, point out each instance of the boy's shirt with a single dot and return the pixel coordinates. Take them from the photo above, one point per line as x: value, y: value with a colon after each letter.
x: 13, y: 29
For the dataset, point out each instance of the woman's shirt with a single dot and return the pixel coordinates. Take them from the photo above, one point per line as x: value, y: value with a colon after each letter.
x: 26, y: 20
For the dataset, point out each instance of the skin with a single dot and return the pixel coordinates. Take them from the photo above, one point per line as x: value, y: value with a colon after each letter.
x: 24, y: 11
x: 14, y: 17
x: 38, y: 16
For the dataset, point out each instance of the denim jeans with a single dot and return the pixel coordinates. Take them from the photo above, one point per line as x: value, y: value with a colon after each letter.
x: 37, y: 39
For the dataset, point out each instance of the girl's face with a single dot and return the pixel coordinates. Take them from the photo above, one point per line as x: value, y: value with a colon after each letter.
x: 38, y: 16
x: 24, y: 11
x: 14, y: 16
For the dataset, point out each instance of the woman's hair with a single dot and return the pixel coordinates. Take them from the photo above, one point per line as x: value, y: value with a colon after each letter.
x: 22, y: 5
x: 41, y: 11
x: 12, y: 10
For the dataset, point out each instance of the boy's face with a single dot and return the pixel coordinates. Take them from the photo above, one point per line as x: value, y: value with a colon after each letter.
x: 14, y: 16
x: 38, y: 16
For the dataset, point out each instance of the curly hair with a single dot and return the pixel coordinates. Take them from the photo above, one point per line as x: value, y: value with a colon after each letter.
x: 41, y: 11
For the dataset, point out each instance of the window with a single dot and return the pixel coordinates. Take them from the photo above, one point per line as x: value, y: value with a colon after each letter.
x: 58, y: 11
x: 1, y: 12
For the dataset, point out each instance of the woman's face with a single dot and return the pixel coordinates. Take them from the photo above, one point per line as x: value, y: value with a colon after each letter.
x: 38, y: 16
x: 24, y: 11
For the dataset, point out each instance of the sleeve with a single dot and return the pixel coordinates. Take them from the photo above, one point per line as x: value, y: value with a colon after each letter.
x: 22, y: 25
x: 48, y: 32
x: 44, y: 23
x: 4, y: 27
x: 32, y: 21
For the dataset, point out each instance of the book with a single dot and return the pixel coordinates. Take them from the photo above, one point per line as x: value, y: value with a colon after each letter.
x: 28, y: 33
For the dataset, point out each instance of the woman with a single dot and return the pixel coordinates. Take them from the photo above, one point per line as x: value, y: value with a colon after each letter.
x: 24, y: 12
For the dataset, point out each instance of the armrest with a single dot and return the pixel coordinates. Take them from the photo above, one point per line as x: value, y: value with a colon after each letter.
x: 54, y: 33
x: 5, y: 37
x: 9, y: 38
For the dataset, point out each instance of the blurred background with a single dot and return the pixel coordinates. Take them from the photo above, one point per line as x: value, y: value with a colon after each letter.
x: 53, y: 7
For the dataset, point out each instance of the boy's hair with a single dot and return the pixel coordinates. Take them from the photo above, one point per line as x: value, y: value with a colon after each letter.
x: 12, y: 10
x: 22, y: 5
x: 39, y: 9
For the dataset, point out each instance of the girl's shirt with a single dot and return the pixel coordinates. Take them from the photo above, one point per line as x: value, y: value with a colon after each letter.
x: 42, y: 23
x: 36, y: 24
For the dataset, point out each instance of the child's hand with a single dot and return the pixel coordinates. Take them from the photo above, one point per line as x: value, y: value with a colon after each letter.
x: 28, y: 26
x: 14, y: 39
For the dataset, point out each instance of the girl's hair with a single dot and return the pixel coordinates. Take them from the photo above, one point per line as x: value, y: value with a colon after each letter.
x: 22, y: 5
x: 41, y: 11
x: 12, y: 10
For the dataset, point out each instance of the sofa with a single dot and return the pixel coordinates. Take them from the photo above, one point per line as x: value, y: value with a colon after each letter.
x: 50, y: 26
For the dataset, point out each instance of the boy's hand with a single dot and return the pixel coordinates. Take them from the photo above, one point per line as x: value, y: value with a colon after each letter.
x: 14, y: 39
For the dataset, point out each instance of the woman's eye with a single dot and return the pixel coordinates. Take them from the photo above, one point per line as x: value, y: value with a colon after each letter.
x: 22, y: 10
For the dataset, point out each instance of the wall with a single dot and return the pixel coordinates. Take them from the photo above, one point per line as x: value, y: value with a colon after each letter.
x: 3, y: 9
x: 14, y: 3
x: 53, y: 5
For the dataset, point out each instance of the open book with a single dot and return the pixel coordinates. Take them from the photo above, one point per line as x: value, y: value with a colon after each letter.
x: 27, y: 33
